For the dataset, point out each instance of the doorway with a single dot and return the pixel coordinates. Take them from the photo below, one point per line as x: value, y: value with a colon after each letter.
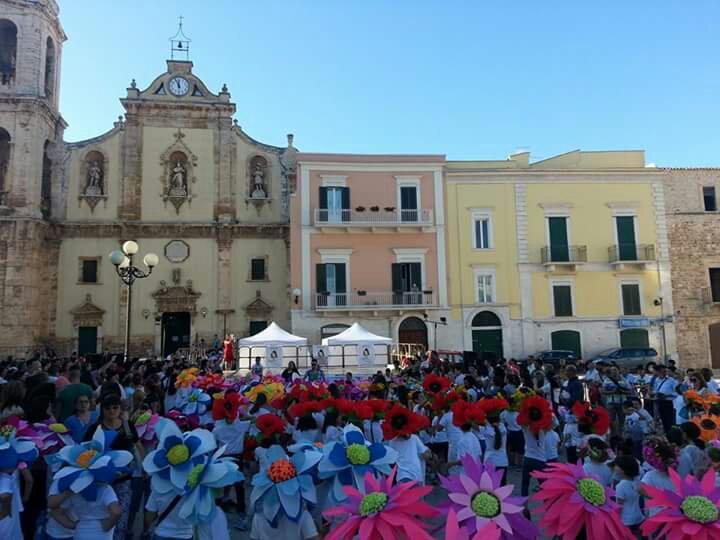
x: 487, y: 336
x: 714, y: 331
x: 87, y: 340
x: 566, y: 340
x: 175, y: 332
x: 413, y: 330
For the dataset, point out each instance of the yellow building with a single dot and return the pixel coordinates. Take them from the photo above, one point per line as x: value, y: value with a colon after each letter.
x: 565, y: 253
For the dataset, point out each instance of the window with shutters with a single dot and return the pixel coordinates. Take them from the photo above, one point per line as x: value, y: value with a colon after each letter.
x: 715, y: 283
x: 630, y: 293
x: 482, y: 230
x: 709, y: 199
x: 485, y: 286
x: 89, y: 270
x: 562, y: 294
x: 331, y: 284
x: 258, y: 269
x: 334, y: 202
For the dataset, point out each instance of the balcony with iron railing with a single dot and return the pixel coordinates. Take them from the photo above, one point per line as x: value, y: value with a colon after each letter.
x: 561, y: 256
x: 373, y: 301
x: 632, y: 254
x: 373, y: 218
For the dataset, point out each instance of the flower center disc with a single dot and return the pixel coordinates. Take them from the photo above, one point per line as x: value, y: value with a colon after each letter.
x: 708, y: 424
x: 358, y: 454
x: 85, y: 458
x: 281, y: 471
x: 178, y: 454
x: 700, y: 509
x: 485, y: 505
x: 535, y: 414
x: 373, y: 503
x: 592, y: 491
x: 194, y: 476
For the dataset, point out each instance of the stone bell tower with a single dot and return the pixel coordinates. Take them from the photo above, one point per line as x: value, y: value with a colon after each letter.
x: 31, y: 150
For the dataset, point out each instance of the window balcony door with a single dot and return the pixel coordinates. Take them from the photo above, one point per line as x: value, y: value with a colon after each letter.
x: 334, y: 204
x: 559, y: 248
x: 407, y: 283
x: 409, y: 204
x: 331, y: 284
x: 627, y: 243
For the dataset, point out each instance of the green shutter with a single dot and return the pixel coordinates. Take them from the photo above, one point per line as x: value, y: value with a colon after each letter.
x: 566, y: 340
x: 631, y: 299
x: 634, y: 337
x: 627, y: 247
x: 562, y: 298
x: 559, y: 249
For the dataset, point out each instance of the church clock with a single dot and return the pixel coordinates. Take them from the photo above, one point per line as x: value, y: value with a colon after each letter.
x: 178, y: 86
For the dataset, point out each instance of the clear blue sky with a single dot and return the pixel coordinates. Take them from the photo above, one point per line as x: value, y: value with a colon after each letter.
x: 472, y: 79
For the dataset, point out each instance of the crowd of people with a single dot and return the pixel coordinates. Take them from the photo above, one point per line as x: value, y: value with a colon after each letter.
x: 99, y: 447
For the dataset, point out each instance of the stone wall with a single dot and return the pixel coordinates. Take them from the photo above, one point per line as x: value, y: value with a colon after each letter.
x: 694, y: 247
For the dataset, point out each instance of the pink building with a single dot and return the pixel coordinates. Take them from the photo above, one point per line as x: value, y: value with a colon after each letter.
x: 367, y: 244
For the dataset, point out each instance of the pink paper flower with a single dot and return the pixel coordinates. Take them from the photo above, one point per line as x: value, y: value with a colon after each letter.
x: 484, y: 506
x: 383, y: 511
x: 453, y: 529
x: 572, y: 501
x: 690, y: 511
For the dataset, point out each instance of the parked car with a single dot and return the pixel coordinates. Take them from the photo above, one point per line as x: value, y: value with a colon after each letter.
x: 553, y: 357
x: 628, y: 357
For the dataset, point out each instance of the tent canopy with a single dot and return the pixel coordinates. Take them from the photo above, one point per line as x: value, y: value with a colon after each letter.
x: 273, y: 335
x: 356, y: 335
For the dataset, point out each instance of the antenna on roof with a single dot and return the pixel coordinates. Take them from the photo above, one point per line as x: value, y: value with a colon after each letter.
x: 180, y: 43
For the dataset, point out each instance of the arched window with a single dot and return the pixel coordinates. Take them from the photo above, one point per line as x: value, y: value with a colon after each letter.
x: 566, y: 340
x: 486, y: 318
x: 49, y: 67
x: 46, y: 182
x: 4, y: 162
x: 8, y: 51
x: 413, y: 330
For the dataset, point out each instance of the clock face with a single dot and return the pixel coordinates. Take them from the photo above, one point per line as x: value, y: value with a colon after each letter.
x: 179, y: 86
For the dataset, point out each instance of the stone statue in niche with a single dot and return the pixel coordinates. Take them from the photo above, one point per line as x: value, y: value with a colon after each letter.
x: 178, y: 181
x: 258, y: 182
x: 95, y: 174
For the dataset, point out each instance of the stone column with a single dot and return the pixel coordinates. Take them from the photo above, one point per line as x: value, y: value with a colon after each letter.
x: 224, y: 277
x: 131, y: 186
x: 225, y: 171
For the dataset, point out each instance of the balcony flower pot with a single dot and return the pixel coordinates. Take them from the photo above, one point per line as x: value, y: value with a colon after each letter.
x: 360, y: 209
x: 374, y: 208
x: 389, y: 208
x: 362, y: 293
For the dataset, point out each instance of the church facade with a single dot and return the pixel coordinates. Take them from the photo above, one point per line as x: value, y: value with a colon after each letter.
x: 176, y: 174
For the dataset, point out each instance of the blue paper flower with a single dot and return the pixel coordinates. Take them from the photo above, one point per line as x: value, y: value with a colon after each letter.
x: 15, y: 450
x: 198, y: 502
x: 197, y: 402
x: 285, y: 485
x: 176, y: 456
x: 349, y: 459
x: 88, y: 464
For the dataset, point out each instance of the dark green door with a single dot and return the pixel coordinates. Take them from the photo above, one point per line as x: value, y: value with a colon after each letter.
x: 488, y: 343
x: 175, y: 331
x: 627, y: 247
x: 87, y: 340
x: 566, y: 340
x: 559, y: 249
x: 634, y: 337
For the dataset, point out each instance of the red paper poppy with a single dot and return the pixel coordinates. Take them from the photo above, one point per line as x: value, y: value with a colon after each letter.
x: 401, y: 421
x: 494, y: 406
x: 434, y: 384
x: 535, y: 414
x: 270, y: 425
x: 468, y: 413
x: 597, y: 418
x: 226, y: 407
x: 363, y: 411
x: 379, y: 407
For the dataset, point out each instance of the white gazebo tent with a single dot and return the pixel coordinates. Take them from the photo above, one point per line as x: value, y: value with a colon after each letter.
x: 356, y: 343
x: 275, y: 344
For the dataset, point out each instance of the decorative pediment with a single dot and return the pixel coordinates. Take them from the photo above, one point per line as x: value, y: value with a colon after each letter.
x: 178, y: 165
x: 258, y: 307
x: 87, y: 313
x: 176, y: 298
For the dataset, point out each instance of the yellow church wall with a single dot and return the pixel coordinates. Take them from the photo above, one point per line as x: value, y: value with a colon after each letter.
x: 156, y: 141
x: 105, y: 210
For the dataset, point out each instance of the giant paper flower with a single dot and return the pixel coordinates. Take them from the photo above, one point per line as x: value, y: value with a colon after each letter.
x: 145, y: 425
x: 483, y: 506
x: 88, y: 464
x: 227, y: 407
x: 494, y: 407
x: 272, y: 390
x: 350, y: 458
x: 270, y: 425
x: 468, y: 413
x: 198, y: 498
x: 52, y: 437
x: 690, y: 511
x: 196, y: 402
x: 285, y: 485
x: 186, y: 378
x: 597, y: 418
x: 694, y: 402
x: 15, y: 451
x: 401, y: 421
x: 572, y: 501
x: 383, y: 511
x: 305, y: 391
x: 433, y: 384
x: 176, y: 456
x: 709, y: 426
x: 519, y: 396
x: 535, y: 414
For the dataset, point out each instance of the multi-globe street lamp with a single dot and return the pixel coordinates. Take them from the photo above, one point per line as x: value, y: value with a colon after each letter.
x: 123, y: 262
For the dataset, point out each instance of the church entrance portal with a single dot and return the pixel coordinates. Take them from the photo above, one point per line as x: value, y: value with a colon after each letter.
x: 175, y: 332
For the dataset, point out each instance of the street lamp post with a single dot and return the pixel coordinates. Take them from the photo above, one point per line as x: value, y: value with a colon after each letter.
x: 123, y: 262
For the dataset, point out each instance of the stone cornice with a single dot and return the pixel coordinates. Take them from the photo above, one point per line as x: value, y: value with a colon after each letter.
x: 167, y: 230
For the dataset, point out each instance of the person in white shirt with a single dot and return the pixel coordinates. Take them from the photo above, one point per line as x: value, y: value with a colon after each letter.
x: 571, y: 438
x: 467, y: 445
x: 534, y: 459
x: 453, y: 434
x: 95, y: 519
x: 10, y: 506
x: 627, y: 493
x: 596, y: 461
x: 515, y: 439
x: 411, y: 455
x: 171, y: 526
x: 232, y: 435
x: 552, y: 446
x: 495, y: 435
